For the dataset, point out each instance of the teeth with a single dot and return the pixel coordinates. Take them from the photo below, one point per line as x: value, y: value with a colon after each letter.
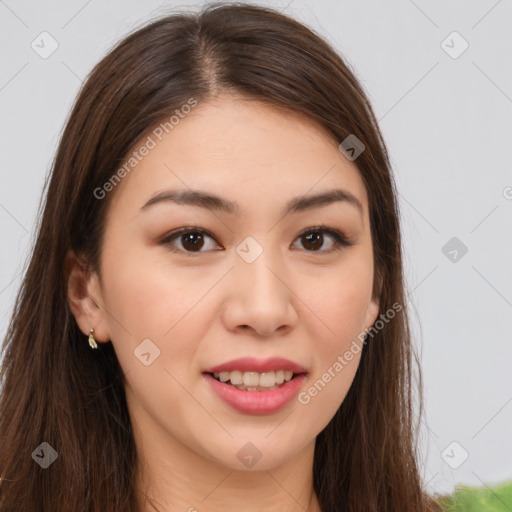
x: 253, y: 381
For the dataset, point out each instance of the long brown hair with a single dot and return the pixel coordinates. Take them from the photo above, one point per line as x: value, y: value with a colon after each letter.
x: 56, y: 390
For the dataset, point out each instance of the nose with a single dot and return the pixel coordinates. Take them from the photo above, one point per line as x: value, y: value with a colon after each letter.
x: 260, y: 297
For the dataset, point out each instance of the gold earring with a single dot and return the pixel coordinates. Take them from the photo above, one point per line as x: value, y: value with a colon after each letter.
x: 92, y: 341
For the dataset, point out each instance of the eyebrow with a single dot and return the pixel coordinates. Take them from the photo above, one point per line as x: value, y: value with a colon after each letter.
x: 212, y: 202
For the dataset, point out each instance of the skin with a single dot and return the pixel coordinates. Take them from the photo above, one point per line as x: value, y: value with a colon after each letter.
x: 204, y: 308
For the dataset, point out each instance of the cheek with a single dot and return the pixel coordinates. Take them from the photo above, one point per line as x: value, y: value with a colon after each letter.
x: 341, y: 298
x: 148, y: 299
x: 339, y: 307
x: 146, y: 296
x: 337, y: 351
x: 342, y: 311
x: 157, y: 311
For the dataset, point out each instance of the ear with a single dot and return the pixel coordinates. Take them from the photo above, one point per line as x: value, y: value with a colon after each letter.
x: 85, y: 298
x: 371, y: 313
x: 374, y: 305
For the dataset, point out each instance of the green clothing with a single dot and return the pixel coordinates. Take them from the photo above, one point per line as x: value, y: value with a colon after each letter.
x: 483, y: 499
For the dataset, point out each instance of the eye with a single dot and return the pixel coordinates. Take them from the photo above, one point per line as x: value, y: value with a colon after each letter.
x: 191, y: 240
x: 313, y: 239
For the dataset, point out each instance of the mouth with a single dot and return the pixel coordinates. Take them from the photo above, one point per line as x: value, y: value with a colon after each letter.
x: 255, y: 381
x: 267, y: 395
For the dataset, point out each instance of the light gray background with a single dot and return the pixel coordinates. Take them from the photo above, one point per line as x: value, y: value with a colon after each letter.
x: 447, y: 122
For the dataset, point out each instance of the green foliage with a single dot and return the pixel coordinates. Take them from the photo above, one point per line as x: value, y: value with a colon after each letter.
x: 485, y: 499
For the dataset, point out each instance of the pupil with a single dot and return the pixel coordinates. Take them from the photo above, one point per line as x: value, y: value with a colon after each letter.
x: 194, y: 239
x: 315, y: 237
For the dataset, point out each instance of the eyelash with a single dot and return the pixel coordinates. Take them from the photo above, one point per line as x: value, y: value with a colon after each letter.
x: 340, y: 241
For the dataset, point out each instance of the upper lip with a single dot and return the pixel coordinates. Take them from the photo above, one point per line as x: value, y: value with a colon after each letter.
x: 252, y: 364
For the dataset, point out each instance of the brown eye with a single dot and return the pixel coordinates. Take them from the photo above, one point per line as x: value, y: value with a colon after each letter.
x: 194, y: 240
x: 190, y: 240
x: 313, y: 239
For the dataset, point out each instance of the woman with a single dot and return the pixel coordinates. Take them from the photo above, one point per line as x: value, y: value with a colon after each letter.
x: 214, y: 313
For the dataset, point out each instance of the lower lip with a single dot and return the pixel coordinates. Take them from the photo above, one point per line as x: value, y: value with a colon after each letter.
x: 257, y: 402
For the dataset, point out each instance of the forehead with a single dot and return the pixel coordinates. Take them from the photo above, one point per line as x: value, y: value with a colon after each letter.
x: 240, y: 149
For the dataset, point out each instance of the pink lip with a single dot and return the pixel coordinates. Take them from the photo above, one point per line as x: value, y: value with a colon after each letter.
x: 251, y: 364
x: 257, y: 402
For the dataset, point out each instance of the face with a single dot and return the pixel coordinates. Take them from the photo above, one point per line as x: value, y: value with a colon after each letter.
x: 193, y: 283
